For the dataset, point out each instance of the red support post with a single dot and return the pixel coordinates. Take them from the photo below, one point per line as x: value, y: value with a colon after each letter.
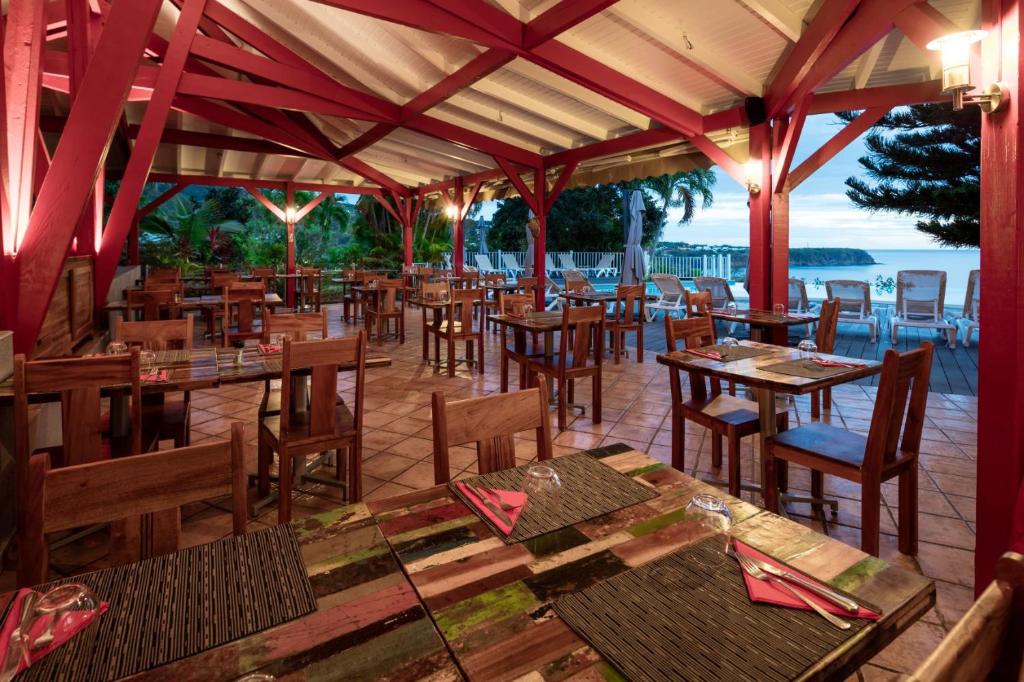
x: 80, y: 46
x: 540, y: 244
x: 289, y: 227
x: 268, y: 204
x: 759, y: 261
x: 76, y: 163
x: 1001, y: 354
x: 133, y: 241
x: 458, y: 241
x: 134, y: 180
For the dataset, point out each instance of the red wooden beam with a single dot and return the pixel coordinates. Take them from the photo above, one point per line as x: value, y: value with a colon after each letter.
x: 77, y: 161
x: 311, y: 204
x: 191, y: 138
x: 560, y: 18
x: 827, y: 22
x: 256, y: 183
x: 23, y: 47
x: 474, y: 191
x: 887, y: 96
x: 922, y: 23
x: 166, y: 196
x: 560, y: 183
x: 134, y: 179
x: 80, y: 46
x: 383, y: 201
x: 727, y: 118
x: 720, y: 157
x: 270, y: 205
x: 372, y: 174
x: 836, y: 144
x: 783, y: 156
x: 530, y: 197
x: 759, y: 261
x: 618, y: 145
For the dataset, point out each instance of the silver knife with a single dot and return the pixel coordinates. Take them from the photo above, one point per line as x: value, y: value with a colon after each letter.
x: 493, y: 508
x: 824, y: 592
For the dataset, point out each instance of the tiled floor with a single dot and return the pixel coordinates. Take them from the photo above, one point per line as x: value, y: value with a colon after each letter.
x: 397, y: 459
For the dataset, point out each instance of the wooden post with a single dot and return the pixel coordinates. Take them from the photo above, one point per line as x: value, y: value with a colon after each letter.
x: 458, y: 241
x: 289, y: 226
x: 759, y: 262
x: 1001, y: 353
x: 80, y: 46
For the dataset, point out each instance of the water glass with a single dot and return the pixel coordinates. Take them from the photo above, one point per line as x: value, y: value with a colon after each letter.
x: 117, y: 348
x: 543, y: 488
x: 731, y: 307
x: 713, y: 514
x: 779, y: 308
x: 147, y: 359
x: 808, y: 351
x: 527, y: 309
x: 727, y: 344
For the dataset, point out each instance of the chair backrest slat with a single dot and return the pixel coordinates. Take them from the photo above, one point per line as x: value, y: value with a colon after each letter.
x: 460, y: 308
x: 434, y: 291
x: 904, y: 378
x: 151, y: 303
x: 629, y: 303
x: 156, y: 334
x: 321, y: 360
x: 586, y: 324
x: 828, y: 323
x: 295, y: 326
x: 527, y: 285
x: 698, y: 303
x: 691, y: 332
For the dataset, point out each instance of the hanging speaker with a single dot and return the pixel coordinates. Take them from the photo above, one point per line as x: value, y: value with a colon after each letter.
x: 754, y: 107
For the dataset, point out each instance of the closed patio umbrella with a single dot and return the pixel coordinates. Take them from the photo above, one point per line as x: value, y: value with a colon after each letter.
x: 633, y: 258
x: 528, y: 259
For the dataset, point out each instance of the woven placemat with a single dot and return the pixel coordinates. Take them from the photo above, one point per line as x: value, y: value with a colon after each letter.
x: 173, y: 357
x: 181, y: 604
x: 805, y: 368
x: 687, y: 616
x: 731, y: 353
x: 589, y: 489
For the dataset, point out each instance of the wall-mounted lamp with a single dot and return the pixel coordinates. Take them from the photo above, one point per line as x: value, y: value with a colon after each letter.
x: 956, y: 72
x: 753, y: 176
x: 289, y: 214
x: 452, y: 211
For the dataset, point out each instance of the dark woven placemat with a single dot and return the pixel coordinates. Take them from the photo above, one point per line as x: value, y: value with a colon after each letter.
x: 173, y: 357
x: 589, y: 489
x: 805, y: 368
x: 181, y: 604
x: 730, y: 353
x: 687, y: 616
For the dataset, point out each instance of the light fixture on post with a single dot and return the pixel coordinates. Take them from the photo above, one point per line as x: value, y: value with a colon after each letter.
x: 452, y: 211
x: 753, y: 171
x: 956, y: 72
x: 289, y: 214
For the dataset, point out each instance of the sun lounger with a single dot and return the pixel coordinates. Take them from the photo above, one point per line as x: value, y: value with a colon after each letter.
x: 920, y: 296
x: 670, y: 297
x: 854, y: 303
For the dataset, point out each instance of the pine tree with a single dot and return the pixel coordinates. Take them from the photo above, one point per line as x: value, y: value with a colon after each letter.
x: 924, y: 160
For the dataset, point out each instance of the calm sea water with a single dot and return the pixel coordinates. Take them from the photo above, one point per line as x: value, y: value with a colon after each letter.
x: 957, y: 263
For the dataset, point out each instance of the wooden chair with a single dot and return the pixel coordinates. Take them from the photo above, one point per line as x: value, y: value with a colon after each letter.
x: 387, y: 306
x: 159, y: 304
x: 161, y: 417
x: 629, y: 317
x: 514, y: 304
x: 722, y: 414
x: 247, y: 299
x: 268, y: 276
x: 310, y: 282
x: 216, y: 280
x: 872, y: 459
x: 324, y: 424
x: 987, y: 643
x: 491, y: 302
x: 295, y: 327
x: 584, y: 325
x: 825, y: 340
x: 145, y: 491
x: 527, y: 285
x: 352, y: 303
x: 491, y: 422
x: 157, y: 274
x: 458, y: 326
x: 697, y: 303
x: 164, y: 285
x: 433, y: 291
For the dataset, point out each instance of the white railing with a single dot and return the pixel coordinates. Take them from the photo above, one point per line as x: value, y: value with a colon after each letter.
x: 711, y: 265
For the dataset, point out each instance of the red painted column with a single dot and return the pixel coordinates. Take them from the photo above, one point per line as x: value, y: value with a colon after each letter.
x: 540, y: 246
x: 133, y: 242
x: 80, y: 46
x: 289, y: 227
x: 759, y: 263
x: 1001, y: 351
x: 458, y: 243
x: 780, y: 248
x: 407, y: 242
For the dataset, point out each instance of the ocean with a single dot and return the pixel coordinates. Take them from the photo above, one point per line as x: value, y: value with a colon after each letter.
x: 957, y: 263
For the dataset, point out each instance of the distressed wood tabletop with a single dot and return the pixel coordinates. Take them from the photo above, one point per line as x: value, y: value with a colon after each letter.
x: 492, y: 601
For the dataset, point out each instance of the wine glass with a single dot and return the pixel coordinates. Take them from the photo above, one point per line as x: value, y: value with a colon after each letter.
x: 117, y: 348
x: 731, y: 307
x: 527, y: 309
x: 728, y: 343
x: 808, y: 351
x: 779, y: 309
x: 147, y: 359
x: 712, y: 512
x: 543, y: 488
x: 61, y: 609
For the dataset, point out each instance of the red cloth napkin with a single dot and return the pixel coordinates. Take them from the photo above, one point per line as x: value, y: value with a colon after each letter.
x: 769, y: 593
x: 836, y: 363
x: 69, y: 625
x: 709, y: 354
x: 511, y: 497
x: 268, y: 348
x: 154, y: 377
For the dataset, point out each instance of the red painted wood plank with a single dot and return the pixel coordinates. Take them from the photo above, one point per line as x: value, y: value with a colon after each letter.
x: 374, y: 175
x: 160, y: 200
x: 922, y: 23
x: 618, y: 145
x: 720, y: 157
x: 560, y: 18
x: 528, y: 195
x: 563, y: 178
x: 134, y: 179
x: 227, y: 142
x: 76, y: 162
x: 245, y: 183
x: 836, y: 144
x: 759, y: 264
x: 459, y: 240
x: 887, y: 96
x: 783, y: 156
x: 435, y: 127
x: 311, y: 204
x: 270, y: 205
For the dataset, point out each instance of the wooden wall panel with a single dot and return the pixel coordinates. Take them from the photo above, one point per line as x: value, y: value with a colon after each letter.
x: 70, y: 318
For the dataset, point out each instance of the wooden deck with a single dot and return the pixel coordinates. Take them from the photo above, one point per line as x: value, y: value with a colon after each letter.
x: 953, y: 371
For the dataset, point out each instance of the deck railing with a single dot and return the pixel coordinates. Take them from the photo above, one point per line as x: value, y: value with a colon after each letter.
x: 591, y: 262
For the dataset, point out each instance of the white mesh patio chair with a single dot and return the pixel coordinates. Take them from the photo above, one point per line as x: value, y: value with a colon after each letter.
x: 567, y: 262
x: 606, y: 266
x: 484, y: 265
x: 920, y: 296
x: 721, y: 293
x: 798, y: 301
x: 855, y: 304
x: 970, y: 319
x: 552, y: 294
x: 549, y: 266
x: 512, y: 266
x: 671, y: 294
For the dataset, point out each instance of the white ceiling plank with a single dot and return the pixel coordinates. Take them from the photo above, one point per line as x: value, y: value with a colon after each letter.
x: 866, y: 65
x: 492, y: 87
x: 497, y: 131
x: 778, y: 16
x: 488, y: 108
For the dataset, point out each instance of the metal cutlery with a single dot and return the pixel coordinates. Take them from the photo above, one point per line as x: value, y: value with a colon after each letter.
x: 821, y: 591
x: 493, y: 508
x: 752, y: 569
x: 501, y: 503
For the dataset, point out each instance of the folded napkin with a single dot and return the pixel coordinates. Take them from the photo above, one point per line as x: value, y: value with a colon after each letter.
x: 495, y: 497
x: 154, y: 377
x: 69, y: 625
x: 835, y: 363
x: 268, y: 348
x: 768, y: 592
x: 709, y: 354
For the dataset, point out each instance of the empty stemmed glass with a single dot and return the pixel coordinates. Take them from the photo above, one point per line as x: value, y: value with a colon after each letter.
x: 808, y: 351
x: 543, y: 488
x: 727, y: 344
x: 713, y: 514
x: 147, y: 359
x: 117, y: 348
x: 527, y: 309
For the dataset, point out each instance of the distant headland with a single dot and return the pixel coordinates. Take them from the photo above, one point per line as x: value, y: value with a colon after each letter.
x: 798, y: 257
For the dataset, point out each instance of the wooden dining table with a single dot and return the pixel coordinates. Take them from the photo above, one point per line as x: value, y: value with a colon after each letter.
x: 764, y: 325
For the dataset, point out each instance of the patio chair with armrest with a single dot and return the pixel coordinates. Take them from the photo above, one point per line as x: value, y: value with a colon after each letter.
x: 512, y: 266
x: 244, y: 303
x: 970, y: 319
x: 671, y: 295
x: 797, y: 301
x: 606, y: 266
x: 484, y: 265
x: 568, y: 262
x: 550, y: 268
x: 855, y: 303
x: 518, y: 305
x: 920, y: 297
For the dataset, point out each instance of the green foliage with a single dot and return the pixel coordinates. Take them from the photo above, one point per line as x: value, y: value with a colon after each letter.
x: 682, y: 189
x: 189, y: 233
x: 924, y: 160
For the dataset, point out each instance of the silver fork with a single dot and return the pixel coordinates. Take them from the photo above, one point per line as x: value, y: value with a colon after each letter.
x: 755, y: 572
x: 491, y: 493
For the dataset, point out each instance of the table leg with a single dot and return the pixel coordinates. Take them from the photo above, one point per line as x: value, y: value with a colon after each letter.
x: 549, y: 353
x: 426, y: 333
x: 766, y: 415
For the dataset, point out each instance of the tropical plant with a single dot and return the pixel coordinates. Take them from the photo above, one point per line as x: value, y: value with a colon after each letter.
x: 682, y: 189
x: 187, y: 232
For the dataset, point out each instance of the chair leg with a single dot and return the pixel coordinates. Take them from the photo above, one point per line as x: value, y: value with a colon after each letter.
x: 596, y: 391
x: 480, y: 353
x: 771, y: 490
x: 908, y: 510
x: 284, y: 498
x: 504, y: 370
x: 870, y: 516
x: 562, y: 408
x: 716, y: 450
x: 640, y: 344
x: 617, y: 345
x: 570, y: 389
x: 817, y: 489
x: 678, y: 442
x: 451, y: 357
x: 826, y: 399
x: 340, y: 455
x: 816, y: 406
x: 734, y: 466
x: 264, y: 458
x: 355, y: 471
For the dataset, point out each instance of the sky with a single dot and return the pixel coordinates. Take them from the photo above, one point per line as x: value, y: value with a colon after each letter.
x: 820, y: 212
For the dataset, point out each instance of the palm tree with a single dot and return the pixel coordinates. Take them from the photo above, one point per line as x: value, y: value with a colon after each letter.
x: 682, y: 189
x: 186, y: 231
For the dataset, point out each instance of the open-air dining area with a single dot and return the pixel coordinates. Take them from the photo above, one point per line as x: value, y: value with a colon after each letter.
x: 344, y: 341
